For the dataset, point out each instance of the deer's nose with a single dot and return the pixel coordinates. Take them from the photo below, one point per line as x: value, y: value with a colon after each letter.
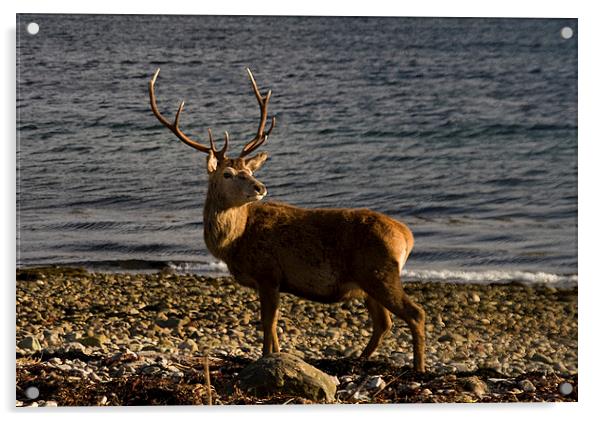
x: 260, y: 189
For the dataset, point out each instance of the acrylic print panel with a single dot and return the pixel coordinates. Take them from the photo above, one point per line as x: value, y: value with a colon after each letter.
x: 149, y: 272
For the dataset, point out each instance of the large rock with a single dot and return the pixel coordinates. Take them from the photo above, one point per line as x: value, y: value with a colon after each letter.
x: 287, y: 374
x: 30, y: 343
x: 475, y: 385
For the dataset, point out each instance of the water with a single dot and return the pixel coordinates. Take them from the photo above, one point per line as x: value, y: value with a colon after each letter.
x: 465, y: 129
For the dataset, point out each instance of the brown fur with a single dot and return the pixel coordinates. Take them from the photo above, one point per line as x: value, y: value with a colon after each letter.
x: 325, y: 255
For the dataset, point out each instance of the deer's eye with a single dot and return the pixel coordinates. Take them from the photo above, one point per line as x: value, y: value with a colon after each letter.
x: 228, y: 174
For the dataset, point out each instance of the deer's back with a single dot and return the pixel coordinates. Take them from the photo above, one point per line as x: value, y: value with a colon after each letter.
x: 319, y: 254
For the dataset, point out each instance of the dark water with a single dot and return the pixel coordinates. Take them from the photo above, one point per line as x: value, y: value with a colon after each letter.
x: 466, y: 129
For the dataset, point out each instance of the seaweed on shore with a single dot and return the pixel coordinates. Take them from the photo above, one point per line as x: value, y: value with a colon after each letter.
x: 137, y: 390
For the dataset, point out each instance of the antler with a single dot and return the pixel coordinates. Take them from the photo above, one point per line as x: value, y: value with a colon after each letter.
x: 261, y: 136
x: 174, y: 127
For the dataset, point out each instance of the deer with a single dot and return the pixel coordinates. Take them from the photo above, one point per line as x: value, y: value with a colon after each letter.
x: 326, y: 255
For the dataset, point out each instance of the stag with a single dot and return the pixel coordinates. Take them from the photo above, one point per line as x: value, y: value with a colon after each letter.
x: 324, y: 255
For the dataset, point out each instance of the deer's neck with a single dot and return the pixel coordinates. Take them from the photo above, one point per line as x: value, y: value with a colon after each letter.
x: 223, y: 225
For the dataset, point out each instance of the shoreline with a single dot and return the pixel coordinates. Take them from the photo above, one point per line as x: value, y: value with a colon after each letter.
x: 72, y: 321
x: 217, y: 269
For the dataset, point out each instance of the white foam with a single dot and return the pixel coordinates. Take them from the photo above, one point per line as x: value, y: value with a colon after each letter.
x: 213, y: 267
x: 217, y: 267
x: 490, y: 277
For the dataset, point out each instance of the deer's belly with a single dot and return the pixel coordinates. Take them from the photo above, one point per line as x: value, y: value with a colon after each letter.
x: 321, y: 287
x: 244, y: 279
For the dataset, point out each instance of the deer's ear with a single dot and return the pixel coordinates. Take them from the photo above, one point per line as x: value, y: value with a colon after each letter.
x: 254, y: 163
x: 211, y: 162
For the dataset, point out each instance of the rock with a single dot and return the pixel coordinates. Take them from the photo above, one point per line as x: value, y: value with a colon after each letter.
x: 64, y: 367
x: 173, y: 322
x: 460, y: 367
x: 376, y: 383
x: 527, y: 386
x: 94, y: 341
x: 188, y: 345
x: 166, y: 343
x: 492, y: 364
x: 124, y: 356
x: 443, y: 369
x: 413, y: 385
x: 452, y: 337
x: 472, y: 337
x: 541, y: 358
x: 560, y: 367
x: 31, y: 343
x: 346, y: 379
x: 351, y: 386
x: 475, y: 385
x: 286, y: 373
x: 496, y: 381
x: 158, y: 307
x: 359, y: 396
x: 74, y: 347
x: 72, y: 336
x: 151, y: 370
x: 352, y: 352
x: 475, y: 297
x: 94, y: 377
x: 51, y: 338
x: 364, y: 333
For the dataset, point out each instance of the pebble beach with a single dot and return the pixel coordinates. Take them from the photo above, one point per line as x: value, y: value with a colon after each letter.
x: 86, y: 338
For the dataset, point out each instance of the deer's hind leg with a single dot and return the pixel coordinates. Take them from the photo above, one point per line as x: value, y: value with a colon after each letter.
x: 381, y: 325
x: 387, y: 290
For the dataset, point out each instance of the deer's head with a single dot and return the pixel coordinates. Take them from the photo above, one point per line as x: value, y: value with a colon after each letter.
x: 232, y: 178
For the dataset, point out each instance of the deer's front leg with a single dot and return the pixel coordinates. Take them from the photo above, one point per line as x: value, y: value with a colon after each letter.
x: 269, y: 300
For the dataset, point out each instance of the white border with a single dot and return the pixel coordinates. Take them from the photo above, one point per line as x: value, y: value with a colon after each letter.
x: 462, y: 8
x: 589, y: 180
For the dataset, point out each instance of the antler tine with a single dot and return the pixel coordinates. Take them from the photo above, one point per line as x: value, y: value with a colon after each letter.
x: 261, y: 136
x: 211, y: 142
x: 175, y: 126
x: 222, y: 152
x: 256, y: 143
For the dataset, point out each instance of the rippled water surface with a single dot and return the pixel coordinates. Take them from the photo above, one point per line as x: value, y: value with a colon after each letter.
x: 466, y: 129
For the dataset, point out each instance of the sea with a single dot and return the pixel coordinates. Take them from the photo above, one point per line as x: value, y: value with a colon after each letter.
x: 463, y: 128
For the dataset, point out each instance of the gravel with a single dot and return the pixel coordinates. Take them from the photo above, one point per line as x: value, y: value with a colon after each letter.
x: 108, y: 327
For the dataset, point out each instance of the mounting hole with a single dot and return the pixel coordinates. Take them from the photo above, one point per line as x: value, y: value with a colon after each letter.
x: 566, y: 32
x: 565, y: 388
x: 32, y: 392
x: 33, y: 28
